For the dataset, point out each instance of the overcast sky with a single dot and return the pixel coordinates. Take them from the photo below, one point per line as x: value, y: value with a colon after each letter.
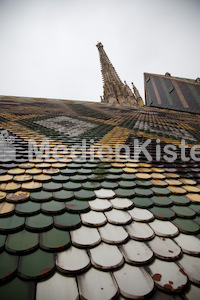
x: 48, y: 47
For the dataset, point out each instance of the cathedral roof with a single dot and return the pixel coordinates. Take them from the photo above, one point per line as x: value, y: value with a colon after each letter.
x: 102, y: 226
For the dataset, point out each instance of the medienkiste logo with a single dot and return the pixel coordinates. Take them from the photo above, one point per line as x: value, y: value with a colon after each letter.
x: 104, y: 152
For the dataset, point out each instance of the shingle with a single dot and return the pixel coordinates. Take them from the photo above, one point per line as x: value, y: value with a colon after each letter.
x: 105, y: 194
x: 77, y: 206
x: 57, y: 285
x: 53, y: 207
x: 54, y: 240
x: 18, y: 289
x: 121, y: 203
x: 63, y: 195
x: 189, y: 244
x: 85, y: 237
x: 116, y: 216
x: 97, y: 285
x: 134, y: 282
x: 140, y: 231
x: 186, y: 226
x: 9, y: 265
x: 100, y: 204
x: 93, y: 218
x: 136, y: 252
x: 22, y: 242
x: 36, y: 265
x: 41, y: 196
x: 84, y: 194
x: 17, y: 197
x: 191, y: 266
x: 168, y: 276
x: 11, y: 224
x: 113, y: 234
x: 27, y: 208
x: 67, y: 221
x: 163, y: 213
x: 106, y: 257
x: 164, y: 248
x: 164, y: 228
x: 6, y: 208
x: 141, y: 214
x: 161, y: 201
x: 142, y: 202
x: 72, y: 260
x: 39, y: 222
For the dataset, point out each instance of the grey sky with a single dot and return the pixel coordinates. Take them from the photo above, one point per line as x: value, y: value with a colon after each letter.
x: 47, y: 47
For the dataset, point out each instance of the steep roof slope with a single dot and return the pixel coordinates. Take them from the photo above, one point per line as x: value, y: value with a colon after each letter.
x: 74, y: 225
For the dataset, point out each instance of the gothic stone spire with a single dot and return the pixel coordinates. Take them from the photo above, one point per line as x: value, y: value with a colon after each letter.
x: 114, y: 90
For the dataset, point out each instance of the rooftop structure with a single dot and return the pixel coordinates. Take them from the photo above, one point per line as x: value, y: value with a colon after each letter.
x: 166, y: 91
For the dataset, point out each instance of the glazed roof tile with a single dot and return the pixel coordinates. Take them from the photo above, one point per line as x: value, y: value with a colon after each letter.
x: 95, y: 229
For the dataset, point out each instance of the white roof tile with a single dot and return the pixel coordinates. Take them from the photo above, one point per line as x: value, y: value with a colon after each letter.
x: 93, y: 218
x: 113, y: 234
x: 134, y: 282
x: 136, y: 252
x: 167, y: 275
x: 140, y: 231
x: 58, y: 286
x: 85, y: 237
x: 164, y: 228
x: 164, y: 248
x: 106, y: 256
x: 97, y: 285
x: 72, y: 260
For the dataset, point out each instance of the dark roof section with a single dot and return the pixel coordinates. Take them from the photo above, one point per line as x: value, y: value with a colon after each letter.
x: 164, y: 91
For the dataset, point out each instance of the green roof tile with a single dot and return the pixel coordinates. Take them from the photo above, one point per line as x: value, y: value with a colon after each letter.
x: 160, y: 191
x: 22, y: 242
x: 161, y: 201
x: 18, y: 289
x: 163, y: 213
x: 67, y: 221
x: 54, y: 240
x: 183, y: 211
x: 143, y: 202
x: 60, y: 178
x: 41, y: 196
x: 77, y: 206
x: 52, y: 186
x: 179, y: 200
x: 8, y: 267
x: 36, y: 265
x: 143, y: 192
x: 63, y: 195
x: 124, y: 193
x: 72, y: 186
x: 13, y: 223
x: 186, y: 226
x: 27, y: 208
x: 39, y: 222
x: 53, y: 207
x: 84, y: 194
x: 91, y: 185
